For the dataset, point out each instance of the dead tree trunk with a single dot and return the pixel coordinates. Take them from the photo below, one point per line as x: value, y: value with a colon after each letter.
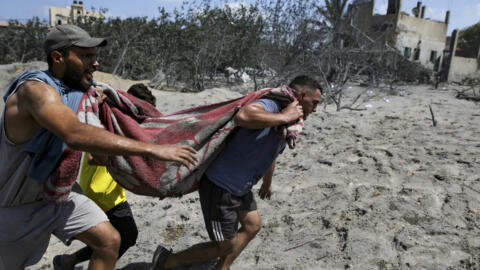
x: 121, y: 58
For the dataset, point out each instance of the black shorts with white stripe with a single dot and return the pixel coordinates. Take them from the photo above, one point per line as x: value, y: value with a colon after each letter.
x: 221, y: 210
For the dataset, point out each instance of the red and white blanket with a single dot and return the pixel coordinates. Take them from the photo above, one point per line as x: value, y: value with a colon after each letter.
x: 205, y: 128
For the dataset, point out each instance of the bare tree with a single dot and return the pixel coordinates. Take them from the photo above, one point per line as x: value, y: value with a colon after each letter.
x: 271, y: 40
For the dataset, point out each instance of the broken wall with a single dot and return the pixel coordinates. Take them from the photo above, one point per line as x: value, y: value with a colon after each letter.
x: 58, y: 15
x: 421, y: 40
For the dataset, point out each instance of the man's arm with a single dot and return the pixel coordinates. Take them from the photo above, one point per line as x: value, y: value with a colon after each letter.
x: 45, y: 106
x: 266, y: 188
x: 254, y: 116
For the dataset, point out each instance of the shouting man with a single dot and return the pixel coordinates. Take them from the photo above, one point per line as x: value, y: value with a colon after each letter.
x: 39, y: 116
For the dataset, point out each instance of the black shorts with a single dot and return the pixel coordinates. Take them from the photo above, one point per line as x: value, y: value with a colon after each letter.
x: 120, y: 211
x: 121, y: 218
x: 221, y: 210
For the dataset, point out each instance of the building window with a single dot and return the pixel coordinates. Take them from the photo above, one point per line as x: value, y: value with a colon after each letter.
x: 416, y: 54
x: 433, y: 56
x: 408, y: 52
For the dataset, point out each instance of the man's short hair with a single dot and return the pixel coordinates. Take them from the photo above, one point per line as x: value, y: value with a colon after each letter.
x: 141, y: 91
x: 305, y: 82
x: 64, y: 52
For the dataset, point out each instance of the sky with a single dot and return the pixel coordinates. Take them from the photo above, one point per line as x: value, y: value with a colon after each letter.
x: 463, y: 12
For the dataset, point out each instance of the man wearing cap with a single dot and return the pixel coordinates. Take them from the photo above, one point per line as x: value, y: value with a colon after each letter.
x: 38, y: 122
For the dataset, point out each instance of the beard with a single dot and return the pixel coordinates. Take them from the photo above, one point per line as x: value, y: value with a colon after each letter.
x: 305, y: 114
x: 73, y: 77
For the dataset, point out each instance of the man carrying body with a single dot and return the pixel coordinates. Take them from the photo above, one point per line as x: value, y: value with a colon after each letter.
x: 225, y: 189
x: 98, y: 185
x: 34, y: 107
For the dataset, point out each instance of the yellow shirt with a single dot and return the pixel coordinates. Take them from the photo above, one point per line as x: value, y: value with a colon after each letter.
x: 98, y: 185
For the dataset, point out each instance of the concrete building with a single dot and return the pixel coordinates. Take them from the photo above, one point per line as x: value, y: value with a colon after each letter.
x: 416, y: 37
x: 458, y: 67
x: 58, y: 15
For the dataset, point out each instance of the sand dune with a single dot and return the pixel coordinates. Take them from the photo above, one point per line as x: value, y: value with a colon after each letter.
x: 375, y: 189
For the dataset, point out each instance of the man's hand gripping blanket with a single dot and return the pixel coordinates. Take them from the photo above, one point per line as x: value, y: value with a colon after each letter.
x: 205, y: 128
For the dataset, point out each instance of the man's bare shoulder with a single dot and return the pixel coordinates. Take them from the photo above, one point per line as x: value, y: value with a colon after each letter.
x: 35, y: 105
x: 33, y: 91
x: 20, y: 124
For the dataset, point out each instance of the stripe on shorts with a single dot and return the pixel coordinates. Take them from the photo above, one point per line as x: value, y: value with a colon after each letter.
x: 217, y: 230
x: 216, y: 225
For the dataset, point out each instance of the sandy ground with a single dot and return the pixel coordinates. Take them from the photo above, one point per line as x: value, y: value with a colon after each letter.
x: 379, y: 188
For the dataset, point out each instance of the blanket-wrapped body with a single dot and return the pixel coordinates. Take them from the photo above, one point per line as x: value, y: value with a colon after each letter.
x: 205, y: 128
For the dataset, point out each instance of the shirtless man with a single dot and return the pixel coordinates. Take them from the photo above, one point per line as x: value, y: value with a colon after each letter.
x: 38, y: 104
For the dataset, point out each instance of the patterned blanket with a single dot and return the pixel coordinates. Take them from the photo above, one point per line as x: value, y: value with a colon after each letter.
x: 205, y: 128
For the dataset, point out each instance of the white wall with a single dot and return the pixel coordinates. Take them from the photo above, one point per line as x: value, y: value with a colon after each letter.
x: 432, y: 35
x: 462, y: 67
x: 57, y: 13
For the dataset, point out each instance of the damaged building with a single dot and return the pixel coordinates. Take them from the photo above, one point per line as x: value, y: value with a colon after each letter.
x: 459, y: 66
x: 418, y: 38
x: 71, y: 14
